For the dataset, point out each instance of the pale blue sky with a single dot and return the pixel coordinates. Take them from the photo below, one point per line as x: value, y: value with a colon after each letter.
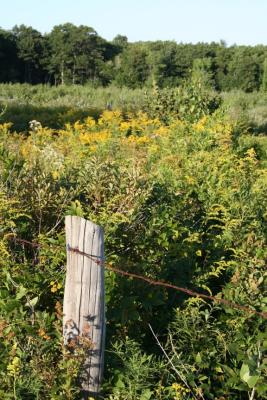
x: 235, y: 21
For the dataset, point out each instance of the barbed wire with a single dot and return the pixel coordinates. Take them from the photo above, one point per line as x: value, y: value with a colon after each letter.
x: 101, y: 262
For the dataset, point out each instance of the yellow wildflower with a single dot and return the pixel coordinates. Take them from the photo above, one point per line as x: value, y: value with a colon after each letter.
x: 180, y: 391
x: 161, y: 131
x: 78, y: 126
x: 109, y: 117
x: 14, y: 367
x: 55, y: 286
x: 43, y: 335
x: 124, y: 126
x: 95, y: 137
x: 139, y: 139
x: 5, y: 127
x: 55, y: 175
x: 90, y: 122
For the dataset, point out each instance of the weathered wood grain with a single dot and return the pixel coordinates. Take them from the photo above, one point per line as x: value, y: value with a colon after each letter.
x: 84, y: 299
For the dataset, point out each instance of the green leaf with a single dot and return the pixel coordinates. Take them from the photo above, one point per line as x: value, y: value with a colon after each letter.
x: 75, y: 208
x: 198, y: 358
x: 203, y: 378
x: 262, y: 389
x: 146, y: 395
x: 252, y: 380
x: 21, y: 293
x: 119, y: 384
x: 11, y: 305
x: 32, y: 302
x: 244, y: 373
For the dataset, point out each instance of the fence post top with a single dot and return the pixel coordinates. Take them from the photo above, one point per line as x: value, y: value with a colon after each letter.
x: 76, y: 218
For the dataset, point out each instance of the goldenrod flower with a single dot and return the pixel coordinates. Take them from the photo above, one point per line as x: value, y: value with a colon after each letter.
x: 14, y: 367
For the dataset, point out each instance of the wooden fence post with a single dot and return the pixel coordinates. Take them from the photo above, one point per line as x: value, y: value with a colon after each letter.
x: 84, y: 302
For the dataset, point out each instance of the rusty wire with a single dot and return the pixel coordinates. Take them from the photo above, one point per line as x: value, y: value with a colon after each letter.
x: 153, y: 282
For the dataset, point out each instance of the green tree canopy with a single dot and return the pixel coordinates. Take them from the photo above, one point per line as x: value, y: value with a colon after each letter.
x: 10, y: 64
x: 77, y: 53
x: 30, y: 46
x: 244, y: 71
x: 203, y: 72
x: 132, y: 67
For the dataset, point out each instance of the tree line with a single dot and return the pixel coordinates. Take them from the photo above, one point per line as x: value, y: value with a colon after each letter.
x: 72, y: 54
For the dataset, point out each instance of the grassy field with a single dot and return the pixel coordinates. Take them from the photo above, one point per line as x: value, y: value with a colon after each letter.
x: 54, y: 106
x: 181, y: 200
x: 251, y: 108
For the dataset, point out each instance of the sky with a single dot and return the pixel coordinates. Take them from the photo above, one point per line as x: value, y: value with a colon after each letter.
x: 188, y: 21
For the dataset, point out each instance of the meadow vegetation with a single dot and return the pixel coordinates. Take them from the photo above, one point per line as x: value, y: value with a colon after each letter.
x: 56, y: 105
x: 178, y: 181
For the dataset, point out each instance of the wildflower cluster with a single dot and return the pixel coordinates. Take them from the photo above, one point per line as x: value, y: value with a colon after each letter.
x: 182, y: 201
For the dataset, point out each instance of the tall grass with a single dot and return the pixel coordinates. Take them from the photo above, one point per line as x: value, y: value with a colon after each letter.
x: 56, y: 105
x: 251, y: 108
x: 72, y: 96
